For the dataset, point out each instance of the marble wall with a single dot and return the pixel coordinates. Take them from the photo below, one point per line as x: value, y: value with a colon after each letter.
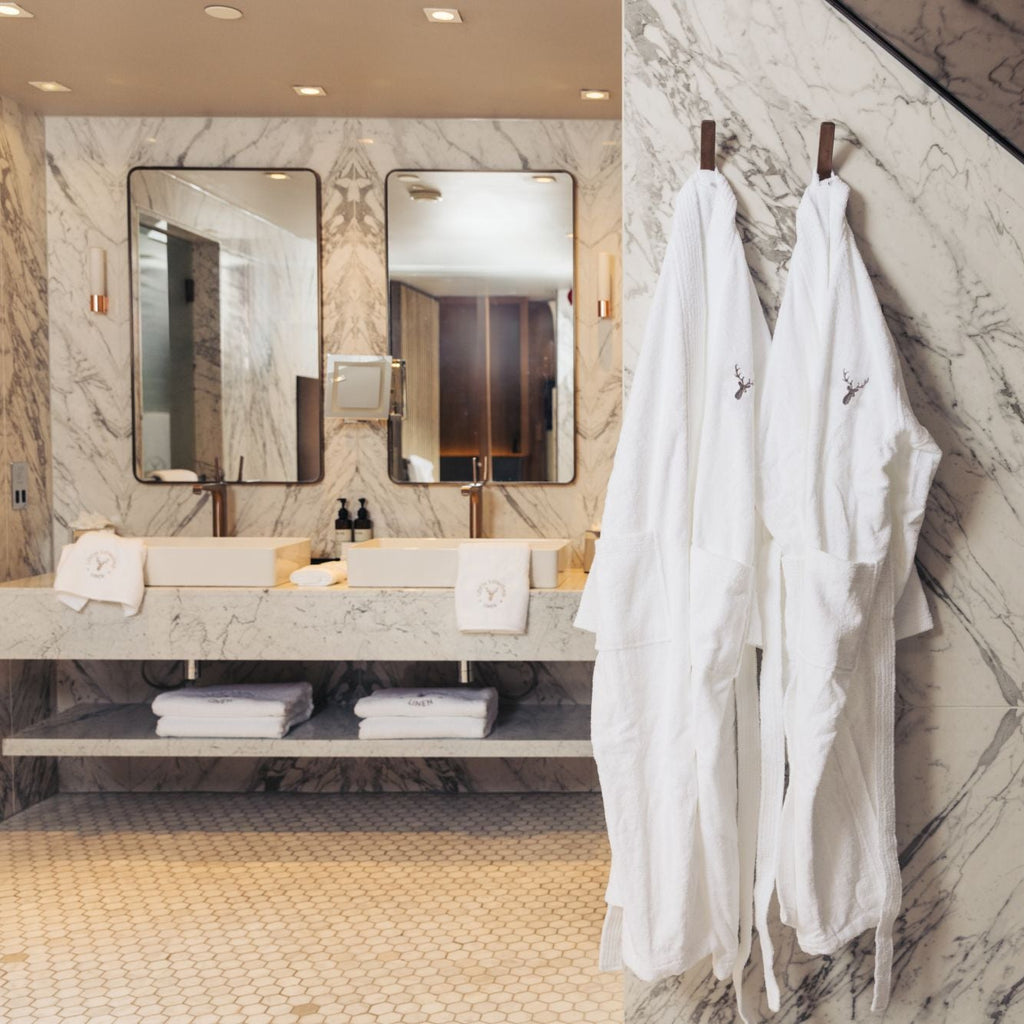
x: 938, y: 209
x: 89, y: 159
x: 25, y: 690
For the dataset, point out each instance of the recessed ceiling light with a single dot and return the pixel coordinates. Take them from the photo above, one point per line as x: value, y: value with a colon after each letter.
x: 310, y: 90
x: 365, y: 142
x: 595, y: 94
x: 277, y: 175
x: 50, y: 86
x: 425, y: 194
x: 223, y: 12
x: 443, y: 15
x: 14, y: 11
x: 408, y: 177
x: 543, y: 179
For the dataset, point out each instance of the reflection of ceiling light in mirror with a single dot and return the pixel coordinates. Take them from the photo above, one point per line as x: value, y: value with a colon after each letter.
x: 222, y: 12
x: 595, y: 94
x: 443, y: 15
x: 543, y: 179
x: 425, y: 194
x: 50, y: 86
x: 277, y: 175
x: 310, y: 90
x: 408, y: 177
x: 14, y: 11
x: 365, y: 142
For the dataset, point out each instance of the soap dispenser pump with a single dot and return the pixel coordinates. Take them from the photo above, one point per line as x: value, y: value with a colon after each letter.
x: 363, y: 529
x: 342, y: 530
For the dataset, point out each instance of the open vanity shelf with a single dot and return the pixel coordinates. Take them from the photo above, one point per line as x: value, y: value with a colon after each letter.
x: 129, y: 730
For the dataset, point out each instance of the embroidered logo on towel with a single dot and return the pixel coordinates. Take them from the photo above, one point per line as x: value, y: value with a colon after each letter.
x: 101, y: 563
x: 851, y: 387
x: 745, y: 385
x: 491, y: 593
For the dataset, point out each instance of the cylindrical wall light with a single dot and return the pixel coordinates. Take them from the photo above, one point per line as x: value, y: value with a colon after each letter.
x: 604, y: 285
x: 98, y: 301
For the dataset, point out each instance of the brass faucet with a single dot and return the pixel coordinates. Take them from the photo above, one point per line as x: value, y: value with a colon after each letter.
x: 475, y: 493
x: 217, y: 488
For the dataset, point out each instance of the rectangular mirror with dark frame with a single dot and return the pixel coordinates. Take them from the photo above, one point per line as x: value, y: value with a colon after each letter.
x: 480, y: 280
x: 227, y: 353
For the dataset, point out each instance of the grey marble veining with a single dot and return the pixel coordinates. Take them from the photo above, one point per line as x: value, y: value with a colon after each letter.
x: 88, y: 163
x: 938, y: 210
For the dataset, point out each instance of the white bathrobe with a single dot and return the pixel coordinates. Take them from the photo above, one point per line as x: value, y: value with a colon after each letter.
x: 845, y: 469
x: 669, y: 597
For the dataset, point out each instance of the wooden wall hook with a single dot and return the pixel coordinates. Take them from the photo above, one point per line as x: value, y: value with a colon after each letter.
x: 707, y: 145
x: 825, y: 143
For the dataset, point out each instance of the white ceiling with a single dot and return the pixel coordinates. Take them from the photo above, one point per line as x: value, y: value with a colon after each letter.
x: 375, y: 58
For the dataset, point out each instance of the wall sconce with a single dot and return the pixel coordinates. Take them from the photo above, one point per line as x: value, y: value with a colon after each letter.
x: 604, y: 285
x: 98, y: 301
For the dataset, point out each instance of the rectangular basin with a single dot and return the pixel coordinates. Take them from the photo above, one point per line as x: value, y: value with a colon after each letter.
x: 434, y: 562
x: 223, y: 561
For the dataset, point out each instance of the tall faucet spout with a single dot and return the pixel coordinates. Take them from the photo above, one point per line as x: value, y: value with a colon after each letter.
x: 475, y: 493
x: 218, y: 491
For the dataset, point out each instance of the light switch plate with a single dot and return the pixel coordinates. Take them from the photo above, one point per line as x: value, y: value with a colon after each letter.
x: 19, y: 485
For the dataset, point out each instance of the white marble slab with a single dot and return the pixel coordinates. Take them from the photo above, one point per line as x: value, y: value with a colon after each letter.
x: 129, y: 730
x: 284, y: 623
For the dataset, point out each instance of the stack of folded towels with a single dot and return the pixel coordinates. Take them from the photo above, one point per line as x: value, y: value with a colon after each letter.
x: 405, y: 713
x: 237, y: 710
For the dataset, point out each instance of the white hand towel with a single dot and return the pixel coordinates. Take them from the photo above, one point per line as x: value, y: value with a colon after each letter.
x: 175, y: 476
x: 437, y: 728
x: 408, y: 702
x: 492, y: 589
x: 100, y: 566
x: 268, y: 700
x: 326, y: 574
x: 254, y: 727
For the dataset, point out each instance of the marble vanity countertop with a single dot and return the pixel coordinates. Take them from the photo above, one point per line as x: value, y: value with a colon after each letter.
x: 283, y: 623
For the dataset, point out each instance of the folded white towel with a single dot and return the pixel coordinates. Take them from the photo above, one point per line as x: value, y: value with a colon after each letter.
x: 100, y: 566
x: 421, y: 470
x: 174, y: 476
x: 236, y: 700
x: 436, y: 728
x: 492, y: 589
x: 408, y: 702
x: 325, y: 574
x: 254, y: 726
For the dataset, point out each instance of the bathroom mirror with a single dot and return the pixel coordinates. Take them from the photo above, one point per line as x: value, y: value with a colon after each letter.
x: 225, y: 274
x: 480, y: 281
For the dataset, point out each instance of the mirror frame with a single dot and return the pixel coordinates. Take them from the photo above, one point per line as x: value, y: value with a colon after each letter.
x: 135, y: 354
x: 575, y: 324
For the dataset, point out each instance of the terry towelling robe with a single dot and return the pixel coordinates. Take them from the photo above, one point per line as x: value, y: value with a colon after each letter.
x: 669, y: 598
x: 845, y: 469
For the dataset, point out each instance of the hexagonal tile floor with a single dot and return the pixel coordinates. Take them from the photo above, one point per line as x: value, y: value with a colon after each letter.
x: 302, y: 909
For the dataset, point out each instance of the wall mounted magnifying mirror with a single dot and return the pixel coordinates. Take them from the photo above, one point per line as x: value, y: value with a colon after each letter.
x: 225, y: 271
x: 480, y: 279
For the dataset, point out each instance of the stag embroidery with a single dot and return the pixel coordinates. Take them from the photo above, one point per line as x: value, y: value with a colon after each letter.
x: 745, y: 385
x: 851, y: 387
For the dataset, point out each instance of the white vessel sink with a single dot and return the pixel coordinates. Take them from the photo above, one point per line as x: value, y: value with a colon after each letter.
x: 433, y: 562
x: 223, y: 561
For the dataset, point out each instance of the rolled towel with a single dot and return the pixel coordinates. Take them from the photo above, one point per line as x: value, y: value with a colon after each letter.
x: 252, y: 726
x: 492, y: 588
x: 100, y: 566
x: 438, y: 727
x: 175, y: 476
x: 409, y: 702
x: 326, y: 574
x: 236, y: 700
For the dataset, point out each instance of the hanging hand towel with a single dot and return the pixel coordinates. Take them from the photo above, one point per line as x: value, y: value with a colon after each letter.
x: 100, y: 566
x: 326, y: 574
x: 669, y: 597
x: 845, y: 471
x: 407, y: 702
x: 437, y: 727
x: 237, y: 700
x: 492, y: 588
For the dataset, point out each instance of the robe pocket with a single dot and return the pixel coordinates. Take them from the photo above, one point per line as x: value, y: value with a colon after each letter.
x: 835, y: 601
x: 720, y: 603
x: 631, y: 595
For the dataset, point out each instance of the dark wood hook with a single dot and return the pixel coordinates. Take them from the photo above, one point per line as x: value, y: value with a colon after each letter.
x: 825, y: 142
x: 707, y: 145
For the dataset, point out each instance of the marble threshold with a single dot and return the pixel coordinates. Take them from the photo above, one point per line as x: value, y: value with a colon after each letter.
x: 129, y: 730
x: 283, y: 623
